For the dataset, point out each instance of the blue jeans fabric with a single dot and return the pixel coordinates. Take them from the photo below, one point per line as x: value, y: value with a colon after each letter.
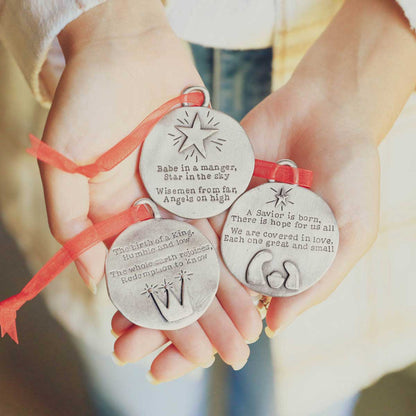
x: 237, y: 80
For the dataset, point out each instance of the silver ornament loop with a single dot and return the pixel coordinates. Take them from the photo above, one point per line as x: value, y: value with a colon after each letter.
x: 287, y: 162
x: 292, y: 164
x: 207, y: 98
x: 149, y: 203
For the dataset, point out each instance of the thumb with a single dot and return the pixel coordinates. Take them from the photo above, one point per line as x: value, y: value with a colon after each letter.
x: 67, y: 204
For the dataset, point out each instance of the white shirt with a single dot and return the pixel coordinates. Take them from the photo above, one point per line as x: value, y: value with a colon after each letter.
x: 28, y: 28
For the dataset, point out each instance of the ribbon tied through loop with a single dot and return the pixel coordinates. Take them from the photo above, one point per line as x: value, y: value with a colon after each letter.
x: 114, y: 225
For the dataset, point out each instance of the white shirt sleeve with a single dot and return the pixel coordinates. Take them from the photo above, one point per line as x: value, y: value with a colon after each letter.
x: 409, y: 9
x: 28, y: 29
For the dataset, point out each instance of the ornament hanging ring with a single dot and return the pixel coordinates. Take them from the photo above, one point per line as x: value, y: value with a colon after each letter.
x: 149, y: 203
x: 287, y: 162
x: 207, y: 98
x: 292, y: 164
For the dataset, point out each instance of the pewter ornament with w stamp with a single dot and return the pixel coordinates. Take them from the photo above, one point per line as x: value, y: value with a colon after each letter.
x: 162, y: 274
x: 196, y: 162
x: 279, y: 239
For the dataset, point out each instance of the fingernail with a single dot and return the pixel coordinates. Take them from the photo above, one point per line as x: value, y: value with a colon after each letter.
x: 252, y: 341
x: 151, y: 379
x: 239, y: 366
x: 117, y: 360
x: 92, y: 286
x: 89, y: 282
x: 209, y: 363
x: 262, y: 312
x: 269, y: 332
x: 114, y: 334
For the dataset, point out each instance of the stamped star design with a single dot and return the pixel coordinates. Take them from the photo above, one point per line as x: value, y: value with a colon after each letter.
x: 195, y: 135
x: 281, y: 198
x: 183, y: 274
x: 166, y: 285
x: 149, y: 289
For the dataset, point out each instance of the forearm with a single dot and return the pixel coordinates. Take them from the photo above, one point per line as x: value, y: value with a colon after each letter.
x: 364, y: 64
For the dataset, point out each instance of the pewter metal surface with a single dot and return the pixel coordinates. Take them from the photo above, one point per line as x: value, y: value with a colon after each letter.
x: 279, y: 239
x: 162, y: 273
x: 196, y: 162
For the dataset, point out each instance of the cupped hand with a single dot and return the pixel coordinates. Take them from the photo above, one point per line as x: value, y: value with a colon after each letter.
x: 110, y: 83
x: 300, y: 124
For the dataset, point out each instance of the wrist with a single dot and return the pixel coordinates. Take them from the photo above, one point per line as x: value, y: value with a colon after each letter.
x: 363, y: 66
x: 112, y: 24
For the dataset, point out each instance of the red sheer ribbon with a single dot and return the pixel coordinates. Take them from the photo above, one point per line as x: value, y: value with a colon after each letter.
x: 283, y: 173
x: 70, y: 251
x: 111, y: 227
x: 121, y: 150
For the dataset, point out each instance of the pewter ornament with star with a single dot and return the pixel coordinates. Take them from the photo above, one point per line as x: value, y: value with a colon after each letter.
x: 279, y: 239
x: 196, y: 162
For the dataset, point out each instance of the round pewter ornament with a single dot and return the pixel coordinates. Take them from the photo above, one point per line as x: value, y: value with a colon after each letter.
x: 196, y: 161
x: 279, y: 239
x: 162, y: 274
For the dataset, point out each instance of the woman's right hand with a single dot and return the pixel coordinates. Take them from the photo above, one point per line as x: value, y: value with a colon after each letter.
x: 122, y: 62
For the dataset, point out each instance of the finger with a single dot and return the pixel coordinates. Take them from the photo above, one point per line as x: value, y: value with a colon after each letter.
x: 119, y: 324
x: 169, y: 365
x: 221, y: 332
x: 234, y: 298
x: 67, y: 204
x: 114, y: 191
x: 219, y: 329
x: 193, y: 344
x: 217, y: 222
x: 224, y: 336
x: 137, y: 342
x: 239, y: 306
x: 191, y: 341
